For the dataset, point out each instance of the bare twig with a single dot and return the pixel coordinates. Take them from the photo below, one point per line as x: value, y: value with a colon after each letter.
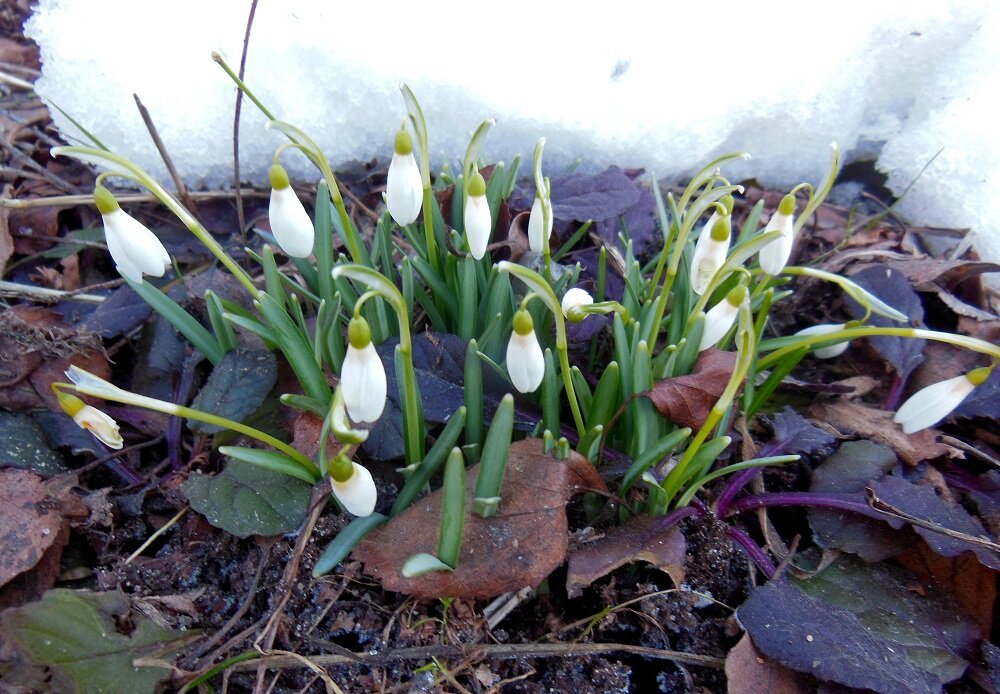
x: 21, y: 291
x: 182, y: 191
x: 236, y: 126
x: 69, y: 200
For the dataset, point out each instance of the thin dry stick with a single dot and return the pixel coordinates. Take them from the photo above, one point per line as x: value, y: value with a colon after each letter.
x: 236, y: 126
x: 182, y: 191
x: 69, y: 200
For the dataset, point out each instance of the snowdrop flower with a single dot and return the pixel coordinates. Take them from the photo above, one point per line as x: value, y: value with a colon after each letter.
x: 720, y: 318
x: 293, y: 230
x: 101, y: 425
x: 830, y: 351
x: 710, y: 251
x: 535, y: 223
x: 362, y: 378
x: 357, y: 490
x: 930, y: 405
x: 477, y: 217
x: 134, y: 248
x: 572, y: 299
x: 525, y: 362
x: 404, y: 190
x: 774, y: 256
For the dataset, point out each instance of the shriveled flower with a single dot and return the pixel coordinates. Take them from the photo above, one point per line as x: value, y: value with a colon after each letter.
x: 362, y: 378
x: 829, y: 351
x: 293, y: 230
x: 477, y: 217
x: 134, y: 248
x: 536, y: 240
x: 525, y: 362
x: 573, y: 298
x: 930, y: 405
x: 101, y: 425
x: 404, y: 190
x: 710, y: 251
x: 774, y: 256
x: 720, y: 318
x: 357, y: 491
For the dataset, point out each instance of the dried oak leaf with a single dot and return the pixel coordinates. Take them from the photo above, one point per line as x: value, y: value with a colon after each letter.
x: 642, y: 538
x: 518, y: 547
x: 878, y: 426
x: 748, y: 672
x: 687, y: 400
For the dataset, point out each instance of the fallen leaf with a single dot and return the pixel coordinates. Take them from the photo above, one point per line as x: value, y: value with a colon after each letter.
x: 793, y: 433
x: 23, y: 444
x: 748, y: 672
x: 34, y: 229
x: 641, y: 538
x: 29, y: 521
x: 76, y: 641
x: 878, y: 426
x: 6, y: 241
x: 687, y: 400
x: 518, y: 547
x: 973, y: 585
x: 121, y: 312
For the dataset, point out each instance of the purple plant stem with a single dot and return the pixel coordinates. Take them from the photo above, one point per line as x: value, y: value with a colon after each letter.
x: 126, y: 474
x: 805, y: 500
x: 895, y: 393
x: 753, y: 550
x: 736, y: 484
x: 677, y: 515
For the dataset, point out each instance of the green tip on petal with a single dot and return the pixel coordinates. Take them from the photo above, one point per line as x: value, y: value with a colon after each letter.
x: 403, y: 143
x: 279, y: 177
x: 728, y: 202
x: 70, y: 403
x: 787, y: 205
x: 359, y: 333
x: 477, y: 185
x: 523, y: 325
x: 737, y: 295
x: 104, y: 200
x: 341, y: 468
x: 977, y: 377
x: 722, y: 228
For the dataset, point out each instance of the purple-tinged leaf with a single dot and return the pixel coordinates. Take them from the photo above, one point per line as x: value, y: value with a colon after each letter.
x: 640, y: 223
x: 793, y: 433
x: 984, y: 400
x: 891, y: 286
x: 861, y: 626
x: 922, y: 502
x: 236, y: 387
x: 581, y: 197
x: 120, y: 313
x: 849, y: 471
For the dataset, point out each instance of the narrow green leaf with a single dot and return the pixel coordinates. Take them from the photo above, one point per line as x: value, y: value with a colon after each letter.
x: 452, y: 509
x: 431, y: 462
x: 345, y: 542
x: 186, y: 325
x: 296, y: 349
x: 493, y: 461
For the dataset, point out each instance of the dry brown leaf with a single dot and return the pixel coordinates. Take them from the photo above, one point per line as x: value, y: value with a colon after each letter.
x: 640, y: 539
x: 518, y: 547
x: 748, y: 672
x: 34, y: 229
x: 687, y: 400
x: 878, y: 426
x: 972, y: 584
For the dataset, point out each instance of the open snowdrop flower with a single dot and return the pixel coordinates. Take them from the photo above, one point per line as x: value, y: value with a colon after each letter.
x: 575, y: 298
x: 353, y: 486
x: 930, y: 405
x: 720, y: 318
x: 774, y: 256
x: 101, y: 425
x: 404, y: 189
x: 477, y: 217
x: 710, y: 251
x: 293, y: 230
x: 134, y: 248
x: 830, y: 351
x: 525, y: 362
x: 362, y: 378
x: 536, y: 239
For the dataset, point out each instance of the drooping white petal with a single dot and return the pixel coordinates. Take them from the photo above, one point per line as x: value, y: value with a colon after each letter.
x: 135, y: 249
x: 575, y: 296
x: 709, y: 255
x: 477, y: 225
x: 293, y: 230
x: 525, y: 362
x: 930, y: 405
x: 404, y: 189
x: 774, y: 256
x: 100, y: 424
x: 718, y: 321
x: 357, y: 493
x: 535, y: 224
x: 829, y: 351
x: 362, y: 380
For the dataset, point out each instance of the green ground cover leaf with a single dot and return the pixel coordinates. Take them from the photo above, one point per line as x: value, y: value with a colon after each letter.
x: 236, y: 387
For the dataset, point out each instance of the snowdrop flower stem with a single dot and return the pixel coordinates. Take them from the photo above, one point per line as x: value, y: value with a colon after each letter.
x: 120, y: 166
x: 543, y: 291
x: 543, y: 192
x: 413, y: 420
x: 815, y: 200
x: 89, y: 384
x: 785, y: 345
